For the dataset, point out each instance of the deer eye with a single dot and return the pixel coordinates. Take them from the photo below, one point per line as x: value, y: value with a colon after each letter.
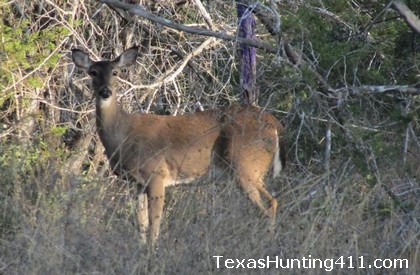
x: 114, y: 73
x: 93, y: 73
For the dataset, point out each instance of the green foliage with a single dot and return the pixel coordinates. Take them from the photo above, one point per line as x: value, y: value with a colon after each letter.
x: 58, y: 130
x: 351, y: 44
x: 24, y: 49
x: 18, y: 162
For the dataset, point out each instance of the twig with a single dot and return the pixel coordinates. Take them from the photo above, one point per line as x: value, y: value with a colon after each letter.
x: 173, y: 72
x: 38, y: 67
x: 137, y: 10
x: 268, y: 16
x: 298, y: 135
x: 205, y: 14
x: 405, y: 105
x: 327, y: 152
x: 413, y: 136
x: 290, y: 52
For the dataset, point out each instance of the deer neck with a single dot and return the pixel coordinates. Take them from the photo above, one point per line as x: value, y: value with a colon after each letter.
x: 111, y: 120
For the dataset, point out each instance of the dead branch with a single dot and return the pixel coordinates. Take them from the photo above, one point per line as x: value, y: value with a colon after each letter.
x: 290, y: 52
x: 267, y: 15
x: 381, y: 89
x: 173, y: 72
x: 271, y: 21
x: 137, y: 10
x: 412, y: 20
x: 327, y: 148
x: 205, y: 14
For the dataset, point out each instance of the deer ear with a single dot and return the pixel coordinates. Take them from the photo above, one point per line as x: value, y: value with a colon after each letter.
x: 81, y: 59
x: 127, y: 58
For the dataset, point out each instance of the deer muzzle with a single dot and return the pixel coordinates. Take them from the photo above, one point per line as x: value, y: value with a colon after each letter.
x: 105, y: 92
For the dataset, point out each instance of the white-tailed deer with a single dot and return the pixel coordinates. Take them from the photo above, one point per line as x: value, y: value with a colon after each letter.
x: 158, y: 151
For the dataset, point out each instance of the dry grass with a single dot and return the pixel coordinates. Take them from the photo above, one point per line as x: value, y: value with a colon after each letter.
x: 80, y: 226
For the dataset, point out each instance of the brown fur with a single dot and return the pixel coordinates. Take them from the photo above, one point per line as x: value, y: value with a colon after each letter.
x: 159, y: 151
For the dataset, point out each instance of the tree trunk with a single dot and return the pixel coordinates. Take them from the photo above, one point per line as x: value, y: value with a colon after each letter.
x: 247, y: 56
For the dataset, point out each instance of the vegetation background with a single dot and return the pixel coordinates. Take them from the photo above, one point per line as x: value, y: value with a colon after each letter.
x: 351, y: 187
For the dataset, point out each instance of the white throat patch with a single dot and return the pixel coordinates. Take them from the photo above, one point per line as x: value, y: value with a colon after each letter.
x: 104, y: 103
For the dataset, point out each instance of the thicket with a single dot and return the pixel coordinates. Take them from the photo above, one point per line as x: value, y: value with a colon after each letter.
x: 62, y: 209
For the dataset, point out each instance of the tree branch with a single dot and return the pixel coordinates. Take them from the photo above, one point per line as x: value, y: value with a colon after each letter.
x: 137, y: 10
x: 412, y: 20
x: 205, y: 14
x: 173, y: 72
x: 271, y: 20
x: 267, y: 15
x: 381, y: 89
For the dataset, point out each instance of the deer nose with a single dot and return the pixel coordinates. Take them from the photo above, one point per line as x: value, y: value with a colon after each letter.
x: 105, y: 92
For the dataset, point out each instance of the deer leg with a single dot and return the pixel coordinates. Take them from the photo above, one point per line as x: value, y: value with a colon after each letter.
x: 253, y: 194
x: 271, y: 211
x: 143, y: 216
x: 156, y: 192
x: 254, y: 188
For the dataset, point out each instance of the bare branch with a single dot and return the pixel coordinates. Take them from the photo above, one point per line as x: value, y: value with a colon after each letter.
x: 39, y: 67
x: 267, y: 15
x: 291, y: 53
x: 172, y: 73
x: 205, y: 14
x: 327, y: 148
x: 296, y: 59
x: 137, y: 10
x: 403, y: 89
x: 412, y: 20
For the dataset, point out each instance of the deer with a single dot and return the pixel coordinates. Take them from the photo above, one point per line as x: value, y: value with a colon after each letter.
x: 158, y: 151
